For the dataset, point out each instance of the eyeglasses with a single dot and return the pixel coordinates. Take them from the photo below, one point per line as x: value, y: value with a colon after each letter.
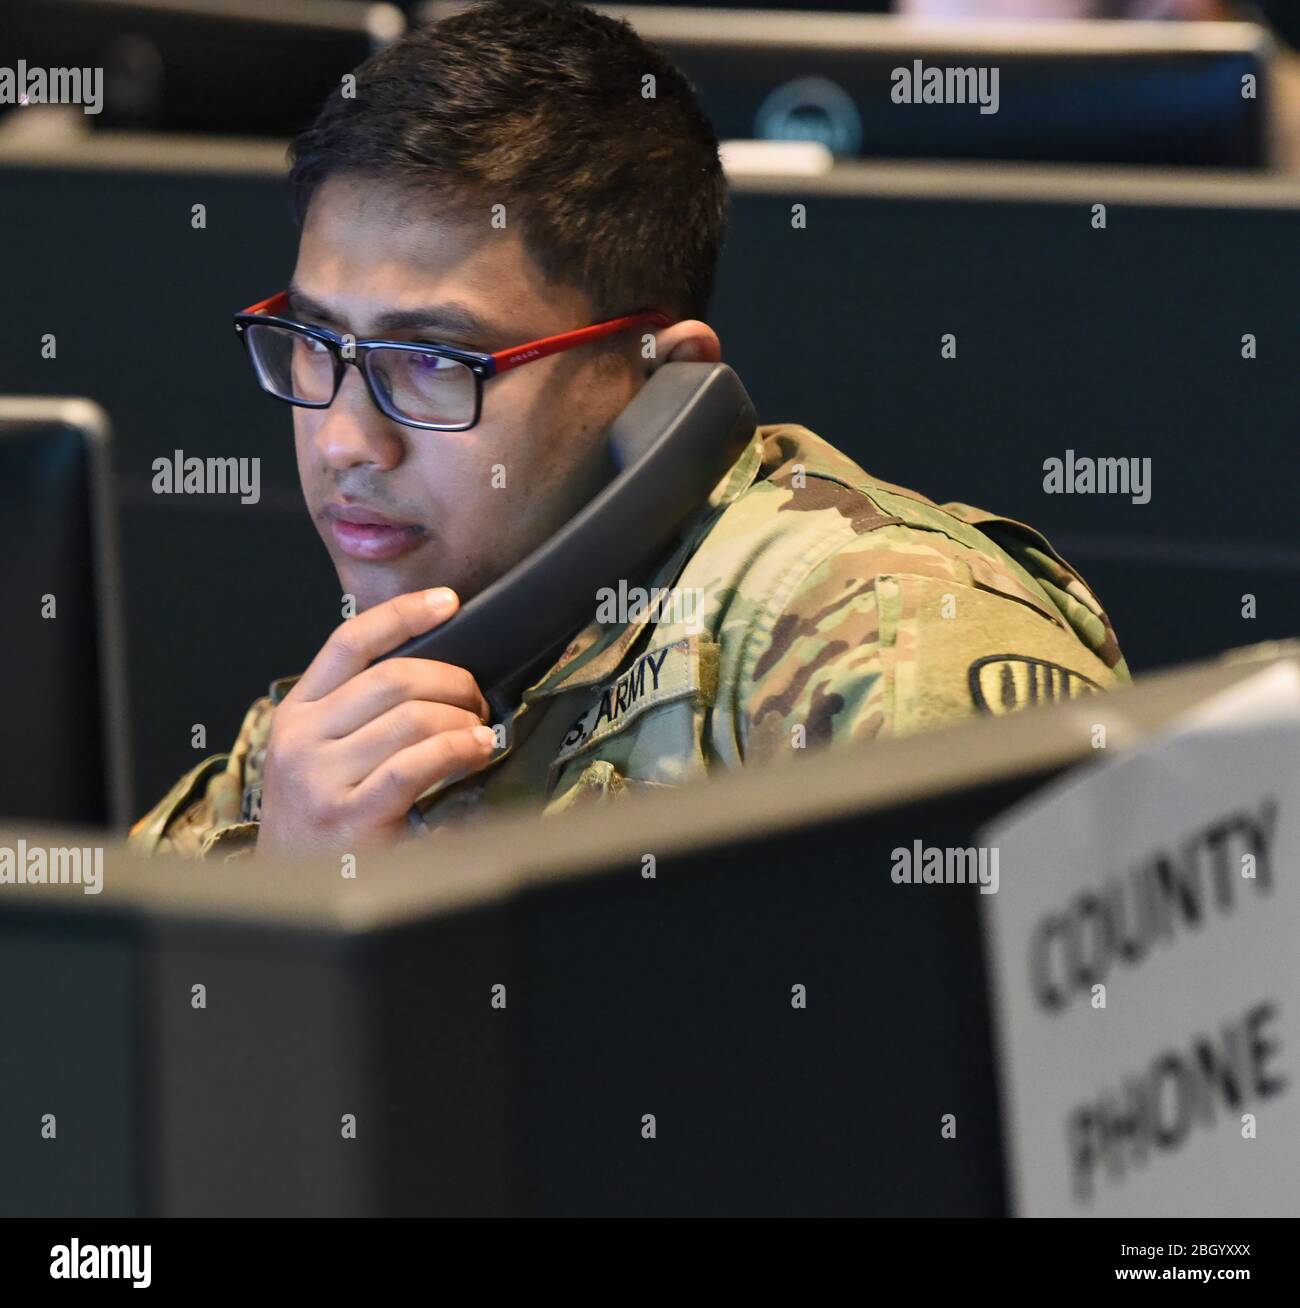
x: 433, y: 387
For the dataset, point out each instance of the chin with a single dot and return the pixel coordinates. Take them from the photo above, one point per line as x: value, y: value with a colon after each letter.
x: 374, y: 582
x: 371, y: 590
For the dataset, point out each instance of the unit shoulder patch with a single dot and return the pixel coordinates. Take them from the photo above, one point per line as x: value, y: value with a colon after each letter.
x: 1002, y: 683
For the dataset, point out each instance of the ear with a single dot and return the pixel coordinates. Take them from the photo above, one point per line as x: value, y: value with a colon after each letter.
x: 690, y: 341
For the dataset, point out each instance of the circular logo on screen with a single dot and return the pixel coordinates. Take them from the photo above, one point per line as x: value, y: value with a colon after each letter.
x: 811, y: 109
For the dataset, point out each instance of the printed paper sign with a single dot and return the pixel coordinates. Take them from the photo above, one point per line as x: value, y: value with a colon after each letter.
x: 1144, y: 950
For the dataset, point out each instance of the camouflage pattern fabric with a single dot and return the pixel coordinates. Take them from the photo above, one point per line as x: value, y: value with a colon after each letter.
x: 834, y: 608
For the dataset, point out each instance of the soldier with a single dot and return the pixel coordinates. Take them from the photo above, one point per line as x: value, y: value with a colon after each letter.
x: 499, y: 182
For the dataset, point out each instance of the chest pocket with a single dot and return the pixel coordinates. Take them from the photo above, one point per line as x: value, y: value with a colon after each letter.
x: 643, y: 728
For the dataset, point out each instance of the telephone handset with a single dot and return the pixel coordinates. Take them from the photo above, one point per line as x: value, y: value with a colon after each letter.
x: 670, y: 447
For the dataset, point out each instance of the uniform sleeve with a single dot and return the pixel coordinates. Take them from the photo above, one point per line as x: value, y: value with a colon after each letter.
x: 213, y: 806
x: 874, y: 643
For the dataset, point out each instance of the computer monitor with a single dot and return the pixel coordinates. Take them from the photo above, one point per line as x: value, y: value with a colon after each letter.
x: 240, y: 67
x: 1103, y: 91
x: 62, y: 687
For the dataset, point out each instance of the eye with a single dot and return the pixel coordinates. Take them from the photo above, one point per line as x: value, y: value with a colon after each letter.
x: 428, y: 363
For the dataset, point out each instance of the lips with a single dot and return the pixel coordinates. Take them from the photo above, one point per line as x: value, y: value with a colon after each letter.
x: 365, y: 533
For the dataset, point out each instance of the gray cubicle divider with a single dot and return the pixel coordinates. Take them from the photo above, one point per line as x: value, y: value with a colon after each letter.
x: 711, y: 1001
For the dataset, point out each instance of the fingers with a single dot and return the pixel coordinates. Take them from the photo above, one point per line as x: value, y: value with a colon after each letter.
x: 397, y: 783
x: 409, y: 723
x: 354, y: 744
x: 358, y: 641
x: 372, y: 693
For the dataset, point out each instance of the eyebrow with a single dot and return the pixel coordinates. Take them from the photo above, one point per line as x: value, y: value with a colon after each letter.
x: 452, y: 318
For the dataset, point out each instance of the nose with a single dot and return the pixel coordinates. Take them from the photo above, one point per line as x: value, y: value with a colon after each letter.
x: 352, y: 431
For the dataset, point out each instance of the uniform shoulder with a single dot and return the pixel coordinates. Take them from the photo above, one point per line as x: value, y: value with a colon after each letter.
x: 808, y: 472
x: 898, y: 613
x: 217, y: 798
x: 813, y: 525
x: 808, y: 500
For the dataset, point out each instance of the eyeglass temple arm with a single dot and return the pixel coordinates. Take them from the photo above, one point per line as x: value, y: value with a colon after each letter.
x: 276, y: 304
x: 518, y: 354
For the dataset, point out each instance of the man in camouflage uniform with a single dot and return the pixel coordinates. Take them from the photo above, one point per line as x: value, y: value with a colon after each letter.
x: 837, y: 609
x: 833, y: 608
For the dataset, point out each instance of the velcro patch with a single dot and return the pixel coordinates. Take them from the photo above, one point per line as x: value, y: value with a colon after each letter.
x: 659, y: 676
x: 1002, y: 683
x: 250, y: 805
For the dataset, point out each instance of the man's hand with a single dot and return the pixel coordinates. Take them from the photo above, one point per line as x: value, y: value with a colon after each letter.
x: 353, y: 746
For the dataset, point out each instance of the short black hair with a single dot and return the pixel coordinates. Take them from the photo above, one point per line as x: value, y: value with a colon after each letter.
x: 596, y: 144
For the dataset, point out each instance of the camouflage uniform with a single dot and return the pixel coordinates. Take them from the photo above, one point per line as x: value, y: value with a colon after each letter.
x: 836, y: 608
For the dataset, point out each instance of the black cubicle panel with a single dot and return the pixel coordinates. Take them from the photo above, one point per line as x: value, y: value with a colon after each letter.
x: 71, y: 1047
x: 251, y: 69
x: 624, y: 997
x: 1117, y: 92
x: 678, y: 1001
x: 675, y: 997
x: 1117, y: 342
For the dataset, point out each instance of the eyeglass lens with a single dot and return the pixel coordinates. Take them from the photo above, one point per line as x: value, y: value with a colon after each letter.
x: 410, y: 384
